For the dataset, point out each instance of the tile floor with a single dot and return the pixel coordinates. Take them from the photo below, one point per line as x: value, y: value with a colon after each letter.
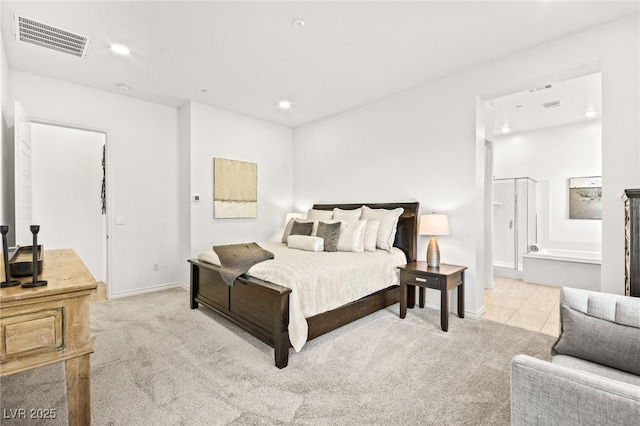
x: 525, y: 305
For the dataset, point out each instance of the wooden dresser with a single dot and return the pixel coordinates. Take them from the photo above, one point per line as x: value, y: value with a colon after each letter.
x: 44, y: 325
x: 631, y: 200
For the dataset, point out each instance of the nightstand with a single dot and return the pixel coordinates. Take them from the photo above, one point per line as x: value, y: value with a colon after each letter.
x: 443, y: 278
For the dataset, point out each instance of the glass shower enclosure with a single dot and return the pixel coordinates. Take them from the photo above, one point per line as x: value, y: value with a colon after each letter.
x: 514, y: 223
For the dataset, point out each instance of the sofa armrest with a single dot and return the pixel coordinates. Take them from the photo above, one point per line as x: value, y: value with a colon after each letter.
x: 546, y: 394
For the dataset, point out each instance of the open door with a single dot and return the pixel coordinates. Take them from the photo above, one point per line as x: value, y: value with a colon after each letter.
x: 22, y: 176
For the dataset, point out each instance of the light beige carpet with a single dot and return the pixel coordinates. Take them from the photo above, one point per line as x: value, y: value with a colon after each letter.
x: 157, y: 362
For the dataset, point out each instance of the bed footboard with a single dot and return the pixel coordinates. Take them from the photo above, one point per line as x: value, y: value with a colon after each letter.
x: 259, y: 307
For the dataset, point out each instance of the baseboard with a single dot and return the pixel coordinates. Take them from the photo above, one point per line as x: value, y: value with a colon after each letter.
x: 474, y: 315
x: 467, y: 314
x: 146, y: 290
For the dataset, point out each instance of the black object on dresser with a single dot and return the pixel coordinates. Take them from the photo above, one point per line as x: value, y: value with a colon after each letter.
x: 631, y: 199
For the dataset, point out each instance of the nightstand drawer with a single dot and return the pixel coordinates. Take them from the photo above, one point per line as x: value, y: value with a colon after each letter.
x: 418, y: 279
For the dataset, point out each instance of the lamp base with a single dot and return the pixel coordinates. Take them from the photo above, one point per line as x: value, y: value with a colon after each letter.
x: 433, y: 253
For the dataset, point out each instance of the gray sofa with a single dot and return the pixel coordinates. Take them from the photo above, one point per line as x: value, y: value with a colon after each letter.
x: 594, y: 375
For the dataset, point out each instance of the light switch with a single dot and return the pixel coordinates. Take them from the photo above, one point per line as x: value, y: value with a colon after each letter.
x: 120, y: 220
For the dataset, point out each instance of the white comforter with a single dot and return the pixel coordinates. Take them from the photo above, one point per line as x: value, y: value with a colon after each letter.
x: 322, y: 281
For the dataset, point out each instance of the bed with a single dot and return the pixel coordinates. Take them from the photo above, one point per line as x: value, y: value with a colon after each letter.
x: 262, y: 307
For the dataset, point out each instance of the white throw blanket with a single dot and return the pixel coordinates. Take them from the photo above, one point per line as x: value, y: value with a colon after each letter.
x: 322, y: 281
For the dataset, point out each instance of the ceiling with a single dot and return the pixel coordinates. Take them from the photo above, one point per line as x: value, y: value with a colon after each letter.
x: 524, y: 111
x: 246, y: 56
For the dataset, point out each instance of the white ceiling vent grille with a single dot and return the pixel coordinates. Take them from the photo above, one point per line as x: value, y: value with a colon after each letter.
x: 552, y: 104
x: 49, y: 36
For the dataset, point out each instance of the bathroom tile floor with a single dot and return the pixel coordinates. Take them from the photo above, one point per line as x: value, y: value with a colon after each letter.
x: 520, y: 304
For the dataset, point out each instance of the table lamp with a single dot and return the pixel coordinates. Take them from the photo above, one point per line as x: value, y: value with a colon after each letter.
x: 433, y: 224
x: 292, y: 215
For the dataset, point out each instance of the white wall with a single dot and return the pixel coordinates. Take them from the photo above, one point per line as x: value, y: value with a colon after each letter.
x: 66, y: 176
x: 142, y: 155
x: 552, y: 156
x: 421, y: 145
x: 223, y: 134
x: 184, y: 190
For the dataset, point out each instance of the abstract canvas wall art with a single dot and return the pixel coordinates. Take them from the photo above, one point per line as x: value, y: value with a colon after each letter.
x: 585, y: 197
x: 235, y: 189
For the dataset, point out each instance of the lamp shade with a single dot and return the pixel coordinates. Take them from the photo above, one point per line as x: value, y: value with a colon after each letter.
x: 293, y: 215
x: 434, y: 224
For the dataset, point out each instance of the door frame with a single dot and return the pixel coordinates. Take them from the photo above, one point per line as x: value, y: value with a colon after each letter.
x: 484, y: 156
x: 107, y: 149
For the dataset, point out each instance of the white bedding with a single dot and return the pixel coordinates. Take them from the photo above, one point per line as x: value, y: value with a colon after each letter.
x: 322, y: 281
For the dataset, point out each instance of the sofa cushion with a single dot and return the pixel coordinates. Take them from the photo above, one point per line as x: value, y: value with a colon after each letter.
x: 598, y: 369
x: 598, y: 340
x: 612, y: 307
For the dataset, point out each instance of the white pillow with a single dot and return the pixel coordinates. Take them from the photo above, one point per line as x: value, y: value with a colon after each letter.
x: 351, y: 236
x: 388, y: 222
x: 305, y: 242
x: 348, y: 215
x: 371, y: 234
x: 316, y: 215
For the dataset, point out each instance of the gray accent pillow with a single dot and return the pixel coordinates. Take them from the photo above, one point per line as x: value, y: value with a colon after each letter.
x: 598, y: 340
x: 301, y: 228
x: 330, y: 233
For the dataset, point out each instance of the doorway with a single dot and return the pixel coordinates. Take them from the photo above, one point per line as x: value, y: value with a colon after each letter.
x: 68, y: 184
x: 543, y: 150
x: 514, y: 223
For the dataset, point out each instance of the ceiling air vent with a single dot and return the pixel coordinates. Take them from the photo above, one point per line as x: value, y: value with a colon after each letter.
x: 537, y: 89
x: 49, y: 36
x: 552, y: 104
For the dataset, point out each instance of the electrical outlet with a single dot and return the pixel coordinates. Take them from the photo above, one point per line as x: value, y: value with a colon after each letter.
x: 156, y: 266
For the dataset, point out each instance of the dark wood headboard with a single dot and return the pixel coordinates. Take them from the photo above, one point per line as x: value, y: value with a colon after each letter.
x: 406, y: 235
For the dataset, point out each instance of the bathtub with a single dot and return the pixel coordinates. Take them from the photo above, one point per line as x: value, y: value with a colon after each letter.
x: 563, y: 268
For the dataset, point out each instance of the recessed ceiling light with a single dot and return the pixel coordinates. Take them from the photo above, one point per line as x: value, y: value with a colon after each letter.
x: 506, y: 129
x: 204, y: 91
x: 122, y: 87
x: 298, y: 23
x: 120, y: 49
x: 284, y: 105
x: 590, y: 114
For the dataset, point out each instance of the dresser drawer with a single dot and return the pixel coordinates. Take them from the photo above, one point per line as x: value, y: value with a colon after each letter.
x: 31, y: 334
x: 412, y: 278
